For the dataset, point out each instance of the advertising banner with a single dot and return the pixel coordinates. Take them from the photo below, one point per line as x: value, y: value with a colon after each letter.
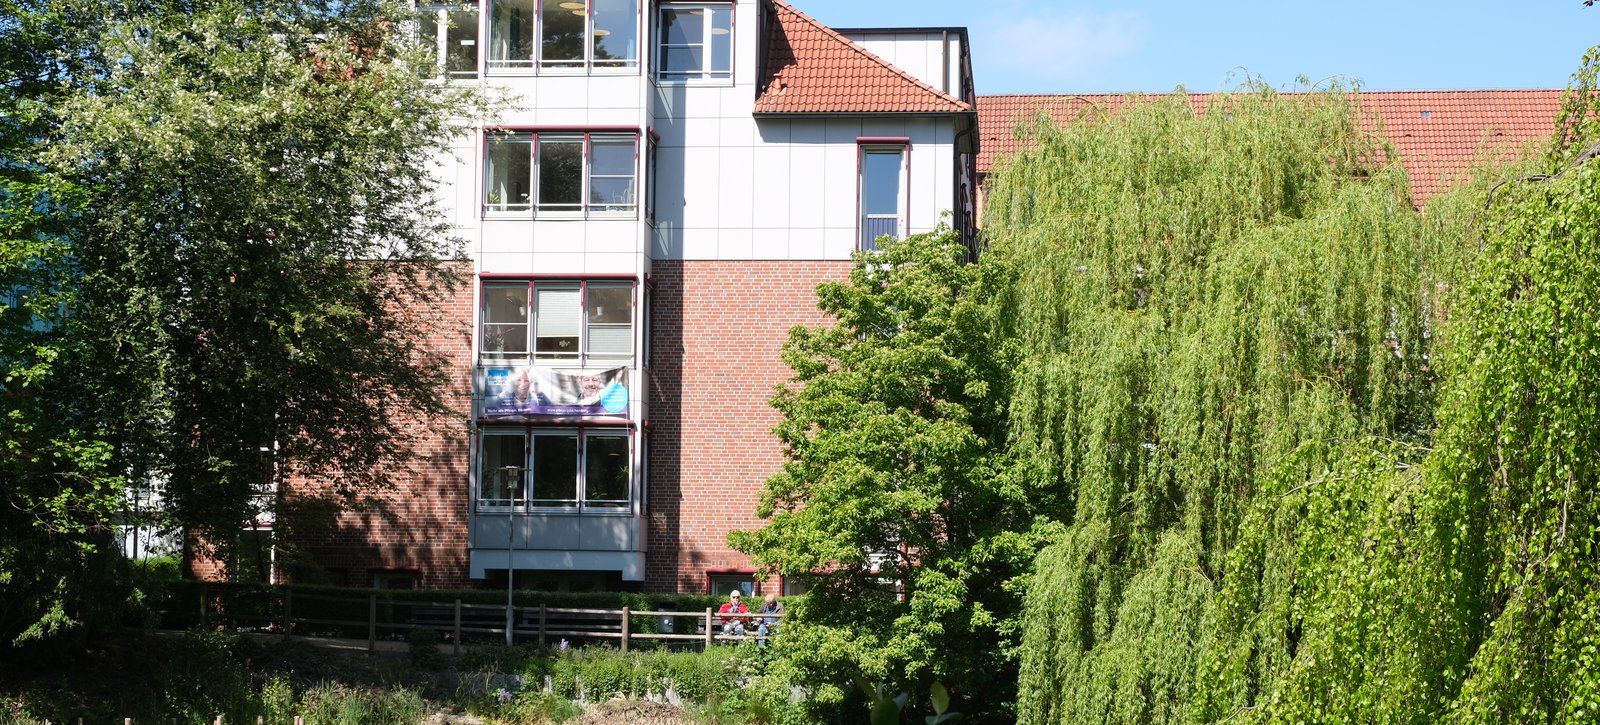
x: 533, y: 390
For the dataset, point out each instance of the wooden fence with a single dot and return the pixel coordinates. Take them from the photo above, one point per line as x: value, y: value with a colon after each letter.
x: 456, y: 620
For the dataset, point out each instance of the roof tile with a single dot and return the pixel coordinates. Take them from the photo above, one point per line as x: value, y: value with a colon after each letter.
x: 809, y: 68
x: 1438, y: 133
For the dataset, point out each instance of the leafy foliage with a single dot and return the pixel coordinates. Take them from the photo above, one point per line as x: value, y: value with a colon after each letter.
x: 231, y: 202
x: 1202, y: 299
x: 1276, y: 514
x: 893, y: 426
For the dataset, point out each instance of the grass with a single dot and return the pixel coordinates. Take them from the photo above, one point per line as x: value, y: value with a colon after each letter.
x: 197, y: 676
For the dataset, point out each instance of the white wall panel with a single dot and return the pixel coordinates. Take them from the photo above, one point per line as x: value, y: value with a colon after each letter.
x: 700, y: 244
x: 558, y: 263
x: 701, y: 187
x: 609, y: 263
x: 806, y: 131
x: 610, y: 236
x: 557, y: 92
x: 884, y: 127
x: 770, y: 243
x: 702, y: 132
x: 923, y: 131
x: 557, y: 236
x: 805, y: 244
x: 695, y: 102
x: 770, y: 187
x: 670, y: 181
x: 507, y: 236
x: 572, y: 117
x: 734, y: 243
x: 773, y: 131
x: 506, y: 263
x: 666, y: 242
x: 738, y: 131
x: 614, y: 92
x: 737, y: 193
x: 842, y: 130
x: 808, y: 184
x: 669, y: 129
x: 843, y: 169
x: 838, y: 243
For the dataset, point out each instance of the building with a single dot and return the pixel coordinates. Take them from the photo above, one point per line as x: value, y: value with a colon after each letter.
x: 646, y: 222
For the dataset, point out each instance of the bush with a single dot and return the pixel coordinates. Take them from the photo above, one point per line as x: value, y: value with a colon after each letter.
x: 425, y: 652
x: 331, y: 704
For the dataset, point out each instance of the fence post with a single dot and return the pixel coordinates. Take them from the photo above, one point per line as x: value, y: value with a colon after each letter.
x: 456, y: 636
x: 624, y: 630
x: 202, y: 605
x: 372, y: 624
x: 708, y: 627
x: 288, y: 609
x: 541, y: 625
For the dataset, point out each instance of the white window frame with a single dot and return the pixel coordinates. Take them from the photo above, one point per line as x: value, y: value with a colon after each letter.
x: 585, y: 356
x: 706, y: 74
x: 587, y: 208
x: 535, y: 63
x: 522, y: 498
x: 869, y: 223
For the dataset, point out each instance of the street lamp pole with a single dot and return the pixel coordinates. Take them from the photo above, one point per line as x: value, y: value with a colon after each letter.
x: 513, y: 479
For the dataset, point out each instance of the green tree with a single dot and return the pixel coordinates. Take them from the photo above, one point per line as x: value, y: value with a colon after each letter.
x: 1202, y: 299
x: 1457, y: 581
x: 58, y: 562
x: 892, y: 505
x: 251, y: 261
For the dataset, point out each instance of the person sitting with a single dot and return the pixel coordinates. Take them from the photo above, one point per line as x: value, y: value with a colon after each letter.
x: 768, y: 626
x: 734, y: 626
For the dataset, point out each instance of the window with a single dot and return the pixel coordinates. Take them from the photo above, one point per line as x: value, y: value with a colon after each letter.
x: 569, y: 173
x: 696, y: 42
x: 883, y: 171
x: 453, y: 30
x: 570, y: 321
x: 723, y: 583
x: 563, y: 34
x: 555, y: 468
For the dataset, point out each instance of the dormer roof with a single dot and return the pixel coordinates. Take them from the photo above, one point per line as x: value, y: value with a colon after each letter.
x: 808, y: 68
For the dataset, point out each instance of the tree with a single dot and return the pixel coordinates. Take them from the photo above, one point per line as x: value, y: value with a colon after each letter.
x: 892, y: 505
x: 1202, y: 300
x: 256, y: 247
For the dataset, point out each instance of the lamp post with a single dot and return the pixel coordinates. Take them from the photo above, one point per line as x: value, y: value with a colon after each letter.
x: 511, y: 477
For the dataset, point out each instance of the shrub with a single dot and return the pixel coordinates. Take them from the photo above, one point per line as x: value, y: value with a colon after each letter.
x: 425, y: 652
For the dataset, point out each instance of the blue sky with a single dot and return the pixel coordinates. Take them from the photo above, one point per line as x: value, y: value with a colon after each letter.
x: 1085, y: 47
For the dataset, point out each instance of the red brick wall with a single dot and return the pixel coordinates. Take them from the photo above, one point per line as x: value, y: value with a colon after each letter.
x: 421, y: 524
x: 716, y: 331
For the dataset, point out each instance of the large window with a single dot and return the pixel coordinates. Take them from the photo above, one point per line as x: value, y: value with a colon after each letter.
x: 696, y: 42
x: 570, y: 322
x: 453, y: 31
x: 563, y: 34
x: 883, y: 173
x: 560, y: 173
x: 555, y: 468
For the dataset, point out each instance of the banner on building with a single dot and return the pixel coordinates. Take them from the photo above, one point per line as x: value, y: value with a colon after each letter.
x: 534, y: 390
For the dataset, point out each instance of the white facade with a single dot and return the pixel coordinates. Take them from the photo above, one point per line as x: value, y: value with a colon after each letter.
x: 710, y: 180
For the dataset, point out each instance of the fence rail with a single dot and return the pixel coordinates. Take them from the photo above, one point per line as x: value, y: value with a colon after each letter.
x: 274, y: 611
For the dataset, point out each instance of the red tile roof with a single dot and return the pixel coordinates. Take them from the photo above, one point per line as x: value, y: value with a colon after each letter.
x: 1438, y: 133
x: 809, y: 68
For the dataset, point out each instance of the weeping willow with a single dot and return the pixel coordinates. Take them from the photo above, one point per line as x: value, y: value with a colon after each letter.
x: 1211, y: 306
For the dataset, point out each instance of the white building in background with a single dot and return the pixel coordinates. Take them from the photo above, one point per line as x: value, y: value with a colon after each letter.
x: 646, y: 221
